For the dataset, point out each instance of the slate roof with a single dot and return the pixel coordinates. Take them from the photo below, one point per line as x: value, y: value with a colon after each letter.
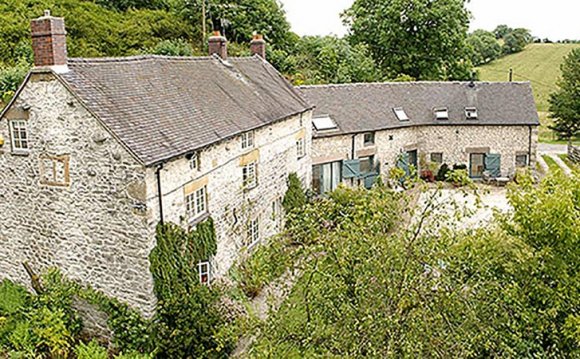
x: 369, y: 106
x: 163, y: 107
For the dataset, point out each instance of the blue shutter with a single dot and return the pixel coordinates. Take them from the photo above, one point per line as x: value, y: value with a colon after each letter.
x: 350, y: 169
x: 493, y: 164
x: 370, y: 180
x: 403, y: 162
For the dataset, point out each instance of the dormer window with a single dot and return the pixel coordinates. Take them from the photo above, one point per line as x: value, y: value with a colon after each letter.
x: 471, y: 113
x: 401, y: 114
x: 441, y: 113
x: 324, y: 123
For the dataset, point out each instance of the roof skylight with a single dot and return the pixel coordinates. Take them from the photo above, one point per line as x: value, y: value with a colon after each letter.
x: 441, y: 113
x: 471, y: 113
x: 323, y: 123
x: 401, y: 114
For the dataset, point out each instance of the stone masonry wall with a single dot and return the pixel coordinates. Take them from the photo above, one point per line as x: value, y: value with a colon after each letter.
x: 229, y: 204
x: 453, y: 141
x: 94, y: 229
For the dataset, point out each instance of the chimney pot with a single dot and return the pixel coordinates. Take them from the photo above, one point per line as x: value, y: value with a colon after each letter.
x: 218, y: 44
x: 258, y: 46
x: 49, y: 41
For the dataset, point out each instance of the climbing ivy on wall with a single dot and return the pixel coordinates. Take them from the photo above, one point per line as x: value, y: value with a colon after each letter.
x: 295, y: 196
x: 175, y: 258
x: 187, y: 322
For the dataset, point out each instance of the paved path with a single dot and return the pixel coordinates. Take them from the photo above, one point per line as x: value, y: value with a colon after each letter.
x: 548, y: 148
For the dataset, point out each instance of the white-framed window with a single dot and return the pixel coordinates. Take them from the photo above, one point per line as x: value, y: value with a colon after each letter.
x: 19, y: 136
x: 401, y: 114
x: 194, y: 162
x: 301, y: 147
x: 249, y: 175
x: 247, y: 140
x: 253, y: 232
x: 437, y: 157
x: 441, y: 113
x: 277, y: 212
x: 521, y: 160
x: 204, y: 271
x: 196, y: 203
x: 369, y: 139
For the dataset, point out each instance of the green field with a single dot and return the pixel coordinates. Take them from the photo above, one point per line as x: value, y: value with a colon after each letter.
x: 539, y: 64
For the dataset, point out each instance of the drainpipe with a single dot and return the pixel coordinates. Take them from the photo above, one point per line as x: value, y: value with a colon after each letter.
x: 159, y: 194
x: 352, y: 155
x: 530, y: 146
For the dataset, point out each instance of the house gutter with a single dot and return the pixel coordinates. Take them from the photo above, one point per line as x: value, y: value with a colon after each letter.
x: 159, y: 194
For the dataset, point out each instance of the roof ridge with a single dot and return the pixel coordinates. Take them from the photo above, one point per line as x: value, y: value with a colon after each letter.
x: 136, y: 58
x: 373, y: 84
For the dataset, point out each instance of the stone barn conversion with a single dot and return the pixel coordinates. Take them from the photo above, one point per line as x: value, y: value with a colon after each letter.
x: 98, y: 151
x: 363, y: 130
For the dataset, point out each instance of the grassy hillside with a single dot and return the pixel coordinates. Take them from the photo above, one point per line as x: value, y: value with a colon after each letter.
x: 539, y: 64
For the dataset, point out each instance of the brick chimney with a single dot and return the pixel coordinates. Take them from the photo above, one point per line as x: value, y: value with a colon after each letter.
x: 49, y: 42
x: 258, y: 46
x: 218, y: 45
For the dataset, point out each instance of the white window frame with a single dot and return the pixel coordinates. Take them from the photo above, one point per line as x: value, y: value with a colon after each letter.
x: 194, y: 162
x: 301, y: 148
x: 17, y: 128
x: 250, y: 175
x: 196, y: 203
x: 277, y: 212
x: 247, y: 140
x: 401, y: 114
x: 441, y: 113
x: 527, y: 160
x: 253, y: 232
x: 204, y: 269
x: 369, y: 143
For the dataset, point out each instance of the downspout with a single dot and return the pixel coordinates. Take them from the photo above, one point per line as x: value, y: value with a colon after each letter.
x: 159, y: 194
x: 530, y: 146
x: 353, y: 152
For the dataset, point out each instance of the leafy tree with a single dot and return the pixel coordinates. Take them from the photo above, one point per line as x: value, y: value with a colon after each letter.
x: 565, y: 102
x: 294, y: 198
x: 501, y: 31
x: 332, y: 60
x: 484, y: 47
x: 419, y: 38
x: 173, y: 48
x: 516, y: 41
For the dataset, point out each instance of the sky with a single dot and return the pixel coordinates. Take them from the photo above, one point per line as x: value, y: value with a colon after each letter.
x: 554, y: 19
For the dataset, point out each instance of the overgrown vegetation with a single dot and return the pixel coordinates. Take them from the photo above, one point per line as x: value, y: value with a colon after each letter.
x: 565, y: 102
x: 508, y: 290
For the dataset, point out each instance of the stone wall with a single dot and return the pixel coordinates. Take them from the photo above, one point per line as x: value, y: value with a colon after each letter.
x: 229, y: 204
x: 94, y: 227
x: 455, y: 142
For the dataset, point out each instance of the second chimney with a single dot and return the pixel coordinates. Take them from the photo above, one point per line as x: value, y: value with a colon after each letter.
x: 258, y: 46
x: 49, y: 41
x: 218, y: 45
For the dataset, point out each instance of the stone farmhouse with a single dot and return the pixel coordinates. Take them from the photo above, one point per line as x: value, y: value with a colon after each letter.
x: 363, y: 130
x: 94, y: 153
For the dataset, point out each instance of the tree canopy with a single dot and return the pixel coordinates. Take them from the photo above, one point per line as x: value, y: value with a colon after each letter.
x: 483, y: 46
x: 565, y: 102
x: 421, y: 38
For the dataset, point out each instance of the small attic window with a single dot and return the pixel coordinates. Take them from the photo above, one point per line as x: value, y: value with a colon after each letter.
x: 471, y: 113
x: 323, y: 123
x: 401, y: 114
x: 441, y: 113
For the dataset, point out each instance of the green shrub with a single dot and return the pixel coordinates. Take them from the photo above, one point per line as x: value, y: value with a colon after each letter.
x: 92, y: 350
x: 267, y: 263
x: 442, y: 173
x: 13, y: 298
x: 295, y: 196
x: 173, y: 48
x: 50, y: 331
x: 459, y: 178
